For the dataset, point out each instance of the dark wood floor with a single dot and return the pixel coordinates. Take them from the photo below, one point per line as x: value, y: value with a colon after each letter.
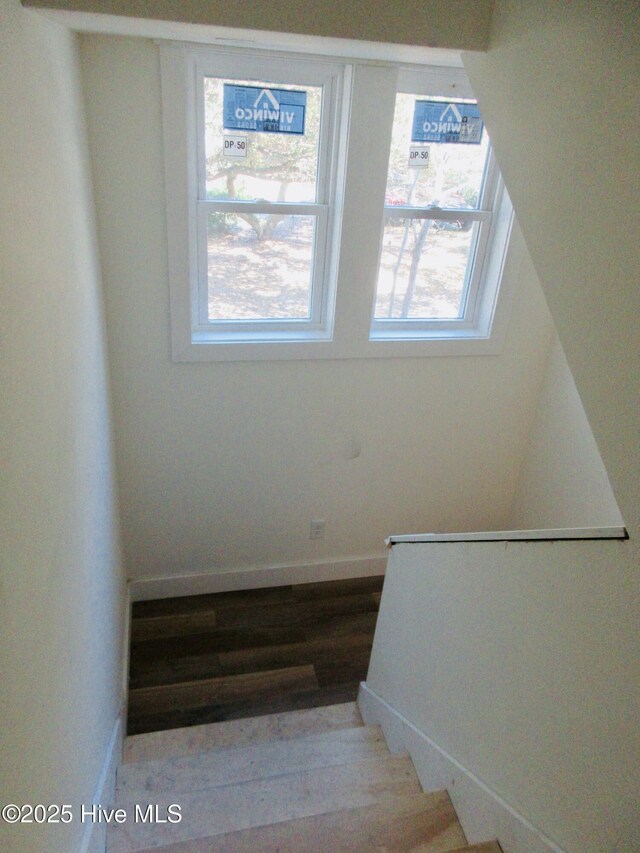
x: 206, y: 658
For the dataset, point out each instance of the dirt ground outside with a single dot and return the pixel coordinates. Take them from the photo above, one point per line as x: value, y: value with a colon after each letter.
x: 252, y: 279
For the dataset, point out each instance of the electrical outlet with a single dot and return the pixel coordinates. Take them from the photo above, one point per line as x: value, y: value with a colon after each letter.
x: 316, y: 530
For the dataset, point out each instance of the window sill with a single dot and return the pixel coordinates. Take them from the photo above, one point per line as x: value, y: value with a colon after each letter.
x: 201, y: 351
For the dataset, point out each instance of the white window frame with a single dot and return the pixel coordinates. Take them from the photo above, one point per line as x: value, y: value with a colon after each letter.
x: 183, y: 69
x: 276, y: 70
x: 480, y: 290
x: 354, y: 204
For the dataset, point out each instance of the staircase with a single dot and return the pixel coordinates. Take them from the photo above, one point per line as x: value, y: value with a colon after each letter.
x: 317, y: 780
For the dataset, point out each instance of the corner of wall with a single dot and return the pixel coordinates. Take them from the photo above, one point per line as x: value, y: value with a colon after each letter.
x: 563, y: 481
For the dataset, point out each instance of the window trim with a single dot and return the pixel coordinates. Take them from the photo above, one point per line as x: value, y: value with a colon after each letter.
x: 199, y: 63
x: 489, y: 248
x: 353, y: 265
x: 476, y: 288
x: 317, y: 325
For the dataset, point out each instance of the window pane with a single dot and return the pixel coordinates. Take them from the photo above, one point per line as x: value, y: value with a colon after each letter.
x: 260, y: 266
x: 453, y: 176
x: 422, y: 269
x: 277, y: 166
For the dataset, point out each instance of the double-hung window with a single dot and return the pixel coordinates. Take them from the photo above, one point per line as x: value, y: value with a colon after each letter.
x: 442, y: 188
x: 285, y: 240
x: 261, y: 195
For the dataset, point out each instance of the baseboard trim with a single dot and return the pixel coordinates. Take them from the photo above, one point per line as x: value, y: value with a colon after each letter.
x: 143, y: 589
x: 126, y: 646
x: 94, y: 839
x: 483, y: 813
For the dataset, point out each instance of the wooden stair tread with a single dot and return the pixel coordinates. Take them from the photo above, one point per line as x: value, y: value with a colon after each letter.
x: 300, y: 612
x: 263, y: 801
x: 209, y: 770
x: 223, y: 689
x: 317, y: 780
x: 422, y: 822
x: 263, y: 597
x: 244, y: 732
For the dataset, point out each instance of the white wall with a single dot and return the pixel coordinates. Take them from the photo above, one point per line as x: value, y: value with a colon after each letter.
x: 555, y: 88
x: 558, y: 83
x: 223, y: 465
x: 520, y: 662
x: 417, y: 22
x: 61, y: 584
x: 563, y: 481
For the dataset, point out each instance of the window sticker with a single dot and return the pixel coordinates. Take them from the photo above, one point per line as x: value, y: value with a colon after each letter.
x: 446, y: 121
x: 264, y: 110
x: 418, y: 157
x: 234, y: 146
